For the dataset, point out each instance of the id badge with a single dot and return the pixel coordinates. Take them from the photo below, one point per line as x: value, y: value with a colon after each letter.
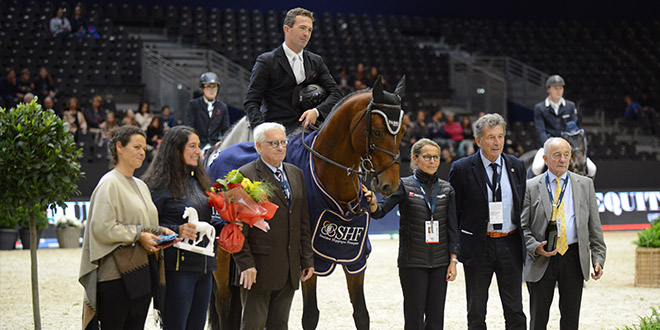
x: 559, y: 224
x: 432, y: 235
x: 495, y: 212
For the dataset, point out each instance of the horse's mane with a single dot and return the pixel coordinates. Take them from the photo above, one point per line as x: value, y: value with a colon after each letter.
x: 340, y: 103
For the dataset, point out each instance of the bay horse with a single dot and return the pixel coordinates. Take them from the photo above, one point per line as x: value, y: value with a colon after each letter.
x: 358, y: 142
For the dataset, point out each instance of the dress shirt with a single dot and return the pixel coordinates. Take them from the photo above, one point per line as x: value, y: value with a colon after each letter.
x: 569, y: 210
x: 507, y: 194
x: 293, y: 56
x: 555, y: 106
x: 273, y: 169
x: 209, y: 106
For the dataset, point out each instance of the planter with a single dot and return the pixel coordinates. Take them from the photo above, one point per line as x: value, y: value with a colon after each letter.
x: 8, y: 238
x: 68, y: 238
x: 24, y: 235
x: 647, y: 267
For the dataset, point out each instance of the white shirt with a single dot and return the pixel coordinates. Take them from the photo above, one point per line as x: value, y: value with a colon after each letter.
x: 291, y: 55
x: 555, y: 106
x: 274, y: 169
x: 209, y: 106
x: 507, y: 193
x: 569, y: 206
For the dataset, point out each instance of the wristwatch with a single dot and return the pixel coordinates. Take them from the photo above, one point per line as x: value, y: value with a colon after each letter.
x: 453, y: 259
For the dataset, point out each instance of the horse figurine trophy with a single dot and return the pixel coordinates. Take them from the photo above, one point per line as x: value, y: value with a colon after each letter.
x: 204, y: 229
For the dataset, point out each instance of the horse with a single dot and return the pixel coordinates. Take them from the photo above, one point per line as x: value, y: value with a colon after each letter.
x: 203, y: 228
x: 580, y: 163
x: 359, y: 141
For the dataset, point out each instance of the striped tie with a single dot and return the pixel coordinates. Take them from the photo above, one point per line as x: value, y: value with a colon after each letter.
x: 562, y: 241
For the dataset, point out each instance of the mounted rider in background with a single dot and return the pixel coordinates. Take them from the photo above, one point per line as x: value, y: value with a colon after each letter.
x: 551, y: 117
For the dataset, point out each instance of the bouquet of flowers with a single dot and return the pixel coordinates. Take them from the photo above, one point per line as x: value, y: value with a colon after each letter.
x: 239, y: 199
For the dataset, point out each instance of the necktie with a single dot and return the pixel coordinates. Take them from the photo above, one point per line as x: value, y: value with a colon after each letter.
x: 562, y: 241
x: 285, y: 185
x: 209, y: 108
x: 298, y: 68
x: 497, y: 193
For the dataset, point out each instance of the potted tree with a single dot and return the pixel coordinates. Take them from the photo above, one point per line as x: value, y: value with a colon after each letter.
x: 647, y: 256
x: 38, y: 167
x: 8, y: 231
x: 68, y: 230
x: 24, y: 224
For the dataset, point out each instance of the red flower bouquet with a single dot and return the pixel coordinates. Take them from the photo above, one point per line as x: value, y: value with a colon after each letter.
x: 238, y: 199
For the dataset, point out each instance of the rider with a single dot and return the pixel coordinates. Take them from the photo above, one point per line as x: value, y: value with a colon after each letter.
x: 206, y: 114
x: 551, y: 117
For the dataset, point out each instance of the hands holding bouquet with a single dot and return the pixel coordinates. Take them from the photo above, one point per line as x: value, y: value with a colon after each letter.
x: 237, y: 199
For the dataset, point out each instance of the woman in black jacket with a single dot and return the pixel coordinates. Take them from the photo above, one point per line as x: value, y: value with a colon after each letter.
x: 428, y: 237
x: 178, y: 180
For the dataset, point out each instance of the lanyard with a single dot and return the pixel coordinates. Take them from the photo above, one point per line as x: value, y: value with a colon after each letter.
x: 498, y: 186
x: 561, y: 195
x: 430, y: 204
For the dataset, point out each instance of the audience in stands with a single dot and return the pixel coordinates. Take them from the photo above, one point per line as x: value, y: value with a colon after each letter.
x: 466, y: 147
x: 419, y: 129
x: 372, y: 76
x: 407, y: 140
x: 359, y: 78
x: 43, y: 85
x: 25, y: 84
x: 108, y: 125
x: 9, y: 90
x: 129, y: 118
x: 75, y: 118
x: 144, y: 116
x: 446, y: 156
x: 50, y: 105
x: 649, y: 112
x: 436, y: 127
x: 60, y: 25
x: 155, y: 132
x: 78, y: 23
x: 94, y: 114
x: 28, y: 97
x: 166, y: 118
x: 453, y: 129
x: 343, y: 81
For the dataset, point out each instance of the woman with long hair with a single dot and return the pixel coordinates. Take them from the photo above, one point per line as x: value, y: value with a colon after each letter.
x: 122, y: 218
x: 177, y: 180
x: 428, y: 237
x: 75, y: 118
x: 144, y: 116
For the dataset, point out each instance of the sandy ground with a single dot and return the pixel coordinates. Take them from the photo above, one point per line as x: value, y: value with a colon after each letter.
x: 607, y: 304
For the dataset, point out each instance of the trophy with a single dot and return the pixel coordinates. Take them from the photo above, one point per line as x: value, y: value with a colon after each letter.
x: 204, y: 229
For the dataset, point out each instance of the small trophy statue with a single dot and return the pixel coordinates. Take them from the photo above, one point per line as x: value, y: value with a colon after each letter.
x: 204, y: 229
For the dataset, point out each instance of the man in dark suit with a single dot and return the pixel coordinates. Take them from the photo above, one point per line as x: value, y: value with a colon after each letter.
x: 272, y: 263
x: 490, y: 187
x: 206, y: 114
x: 579, y: 242
x: 276, y: 74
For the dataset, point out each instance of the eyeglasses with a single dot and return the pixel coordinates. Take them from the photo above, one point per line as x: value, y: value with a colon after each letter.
x: 429, y: 157
x: 276, y: 143
x: 558, y: 155
x: 211, y: 87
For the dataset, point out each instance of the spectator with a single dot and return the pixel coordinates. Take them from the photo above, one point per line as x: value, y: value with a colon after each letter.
x: 144, y: 116
x: 50, y: 105
x: 94, y: 115
x: 155, y: 132
x: 60, y: 25
x: 436, y: 127
x: 9, y: 90
x: 166, y: 118
x: 407, y: 140
x: 466, y: 147
x: 129, y: 118
x: 75, y: 118
x: 28, y: 98
x: 78, y: 23
x: 373, y: 75
x: 446, y: 157
x: 343, y: 81
x: 43, y: 85
x: 453, y: 129
x: 360, y: 77
x: 633, y: 109
x: 25, y: 84
x: 108, y: 125
x: 419, y: 129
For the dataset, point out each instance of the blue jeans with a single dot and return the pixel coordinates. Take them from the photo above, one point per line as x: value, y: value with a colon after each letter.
x: 187, y: 298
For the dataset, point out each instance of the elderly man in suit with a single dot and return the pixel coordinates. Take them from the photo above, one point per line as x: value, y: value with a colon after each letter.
x: 272, y: 263
x: 276, y: 74
x: 206, y: 114
x: 568, y: 199
x: 490, y: 187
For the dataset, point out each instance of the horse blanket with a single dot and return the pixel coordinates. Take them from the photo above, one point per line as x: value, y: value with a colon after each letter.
x: 338, y: 237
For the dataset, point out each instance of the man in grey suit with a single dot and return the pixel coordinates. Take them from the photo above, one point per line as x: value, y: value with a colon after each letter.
x: 273, y: 263
x: 568, y: 199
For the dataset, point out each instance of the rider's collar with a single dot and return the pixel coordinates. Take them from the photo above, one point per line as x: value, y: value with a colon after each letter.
x: 548, y: 102
x: 392, y: 114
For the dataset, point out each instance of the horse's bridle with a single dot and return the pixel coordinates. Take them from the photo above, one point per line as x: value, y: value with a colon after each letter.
x: 366, y: 166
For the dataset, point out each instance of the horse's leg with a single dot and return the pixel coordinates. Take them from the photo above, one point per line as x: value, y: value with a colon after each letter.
x: 356, y: 292
x: 223, y: 294
x: 310, y: 317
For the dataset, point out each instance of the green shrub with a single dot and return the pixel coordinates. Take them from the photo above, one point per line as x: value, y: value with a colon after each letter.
x: 649, y: 237
x: 651, y: 322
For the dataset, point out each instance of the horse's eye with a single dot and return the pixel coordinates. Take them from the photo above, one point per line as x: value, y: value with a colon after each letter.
x: 378, y: 134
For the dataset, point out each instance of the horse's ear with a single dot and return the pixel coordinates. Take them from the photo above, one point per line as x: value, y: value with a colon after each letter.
x: 377, y: 90
x: 400, y: 89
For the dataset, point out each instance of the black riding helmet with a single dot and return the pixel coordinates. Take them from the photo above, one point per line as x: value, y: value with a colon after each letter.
x: 209, y: 78
x: 308, y: 97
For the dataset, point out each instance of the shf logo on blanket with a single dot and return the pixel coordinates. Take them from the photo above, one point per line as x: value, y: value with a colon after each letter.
x: 341, y: 234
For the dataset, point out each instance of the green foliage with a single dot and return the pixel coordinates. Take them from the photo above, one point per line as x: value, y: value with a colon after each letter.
x: 66, y: 221
x: 649, y: 237
x: 40, y: 217
x: 38, y: 159
x: 651, y: 322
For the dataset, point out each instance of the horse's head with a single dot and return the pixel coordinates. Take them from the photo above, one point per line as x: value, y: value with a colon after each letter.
x: 384, y: 129
x: 575, y: 137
